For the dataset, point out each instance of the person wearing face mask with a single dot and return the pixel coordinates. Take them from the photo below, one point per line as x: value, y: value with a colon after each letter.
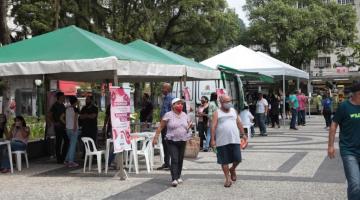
x: 88, y: 119
x: 19, y: 136
x: 203, y: 121
x: 225, y: 136
x: 178, y: 125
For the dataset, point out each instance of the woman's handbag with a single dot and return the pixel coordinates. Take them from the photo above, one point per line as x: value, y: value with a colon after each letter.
x: 192, y: 147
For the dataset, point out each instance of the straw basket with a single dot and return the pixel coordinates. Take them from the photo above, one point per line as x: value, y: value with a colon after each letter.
x: 192, y: 147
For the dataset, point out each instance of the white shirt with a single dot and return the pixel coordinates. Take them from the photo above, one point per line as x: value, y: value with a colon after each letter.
x: 260, y: 105
x: 246, y: 117
x: 227, y: 131
x: 69, y: 117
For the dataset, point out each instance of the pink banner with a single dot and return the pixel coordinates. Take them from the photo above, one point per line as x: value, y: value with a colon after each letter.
x: 220, y: 91
x: 120, y: 118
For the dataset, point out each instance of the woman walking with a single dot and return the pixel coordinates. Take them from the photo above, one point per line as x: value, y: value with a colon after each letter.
x: 202, y: 113
x: 178, y: 125
x: 72, y: 113
x: 213, y: 107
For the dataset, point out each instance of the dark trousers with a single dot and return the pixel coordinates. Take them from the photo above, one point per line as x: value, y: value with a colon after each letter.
x: 177, y: 151
x: 274, y: 119
x: 293, y: 118
x: 202, y: 128
x: 62, y: 143
x: 165, y: 147
x: 301, y: 117
x: 327, y: 116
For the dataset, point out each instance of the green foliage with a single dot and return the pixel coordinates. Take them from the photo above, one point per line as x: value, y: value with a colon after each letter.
x: 193, y: 28
x: 299, y: 34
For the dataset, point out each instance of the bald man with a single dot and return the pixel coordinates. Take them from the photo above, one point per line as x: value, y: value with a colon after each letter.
x: 225, y: 136
x: 166, y: 107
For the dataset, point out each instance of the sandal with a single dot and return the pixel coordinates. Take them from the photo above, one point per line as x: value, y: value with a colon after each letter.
x: 227, y: 184
x: 233, y: 174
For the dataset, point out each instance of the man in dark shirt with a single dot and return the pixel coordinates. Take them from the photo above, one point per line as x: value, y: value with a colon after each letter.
x: 146, y: 113
x: 88, y: 119
x: 348, y: 117
x: 57, y: 117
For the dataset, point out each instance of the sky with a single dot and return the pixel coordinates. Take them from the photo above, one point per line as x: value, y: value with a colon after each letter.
x: 238, y: 4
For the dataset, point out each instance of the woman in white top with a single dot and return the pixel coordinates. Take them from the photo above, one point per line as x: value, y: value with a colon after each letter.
x: 247, y: 119
x: 225, y: 136
x: 72, y: 113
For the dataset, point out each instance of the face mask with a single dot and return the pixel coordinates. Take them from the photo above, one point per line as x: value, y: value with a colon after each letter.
x: 18, y: 124
x: 179, y: 108
x: 227, y: 106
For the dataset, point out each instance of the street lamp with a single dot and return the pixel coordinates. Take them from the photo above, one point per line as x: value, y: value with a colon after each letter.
x: 38, y: 83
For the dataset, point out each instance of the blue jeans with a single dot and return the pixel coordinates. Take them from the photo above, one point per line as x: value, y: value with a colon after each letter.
x: 260, y: 120
x: 301, y: 117
x: 73, y: 138
x: 352, y: 173
x: 15, y: 146
x: 208, y: 137
x: 293, y: 118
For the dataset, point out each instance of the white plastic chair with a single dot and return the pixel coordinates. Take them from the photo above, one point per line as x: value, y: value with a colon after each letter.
x: 18, y: 159
x: 145, y: 151
x: 248, y: 128
x: 90, y: 153
x: 159, y: 146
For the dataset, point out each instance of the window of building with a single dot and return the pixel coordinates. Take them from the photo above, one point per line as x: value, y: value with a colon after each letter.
x: 322, y: 62
x: 345, y: 2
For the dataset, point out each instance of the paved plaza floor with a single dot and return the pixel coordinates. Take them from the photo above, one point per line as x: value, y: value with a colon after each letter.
x: 284, y: 165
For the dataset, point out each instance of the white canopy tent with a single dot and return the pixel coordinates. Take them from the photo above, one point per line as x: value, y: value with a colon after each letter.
x: 245, y: 59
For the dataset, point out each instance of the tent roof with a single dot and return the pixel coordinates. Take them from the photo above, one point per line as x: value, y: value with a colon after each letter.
x: 245, y: 59
x: 70, y: 43
x: 169, y: 57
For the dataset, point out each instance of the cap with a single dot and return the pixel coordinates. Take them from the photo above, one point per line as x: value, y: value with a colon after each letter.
x: 176, y: 100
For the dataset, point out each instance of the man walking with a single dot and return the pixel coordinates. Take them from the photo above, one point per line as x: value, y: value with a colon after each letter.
x: 166, y: 107
x: 225, y: 136
x: 262, y: 107
x: 302, y: 106
x: 348, y: 117
x: 294, y: 105
x: 57, y: 117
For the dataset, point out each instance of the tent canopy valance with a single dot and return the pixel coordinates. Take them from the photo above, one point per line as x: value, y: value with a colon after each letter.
x: 245, y: 59
x: 193, y: 69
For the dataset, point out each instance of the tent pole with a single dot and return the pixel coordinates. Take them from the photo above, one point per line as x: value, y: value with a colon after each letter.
x: 298, y: 83
x: 119, y: 156
x: 284, y: 100
x: 181, y: 87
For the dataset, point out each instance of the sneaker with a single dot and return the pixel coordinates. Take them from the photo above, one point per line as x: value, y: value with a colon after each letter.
x: 73, y: 164
x: 180, y: 181
x: 174, y: 183
x: 5, y: 170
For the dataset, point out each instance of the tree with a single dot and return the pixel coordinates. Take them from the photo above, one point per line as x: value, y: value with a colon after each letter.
x: 4, y: 30
x: 296, y: 31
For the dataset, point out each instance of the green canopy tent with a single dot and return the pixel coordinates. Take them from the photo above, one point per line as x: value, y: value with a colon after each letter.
x: 247, y: 76
x: 193, y: 69
x: 72, y: 53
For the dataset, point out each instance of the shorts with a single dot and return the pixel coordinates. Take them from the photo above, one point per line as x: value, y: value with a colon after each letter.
x: 228, y: 154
